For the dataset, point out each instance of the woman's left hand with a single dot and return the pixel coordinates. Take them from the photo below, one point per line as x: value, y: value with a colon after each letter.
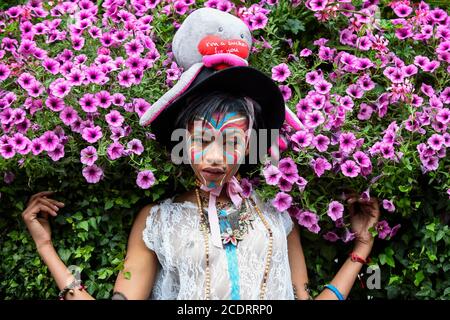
x: 364, y: 214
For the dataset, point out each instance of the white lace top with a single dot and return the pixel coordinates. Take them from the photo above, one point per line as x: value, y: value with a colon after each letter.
x: 173, y: 232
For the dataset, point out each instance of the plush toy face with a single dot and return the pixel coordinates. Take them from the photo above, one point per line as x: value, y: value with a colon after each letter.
x: 208, y: 31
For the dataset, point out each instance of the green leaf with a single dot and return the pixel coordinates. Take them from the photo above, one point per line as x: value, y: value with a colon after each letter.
x: 440, y: 235
x: 382, y: 258
x: 431, y: 226
x: 77, y: 216
x: 64, y: 254
x: 419, y: 278
x: 393, y: 279
x: 93, y: 222
x: 405, y: 189
x: 390, y: 261
x: 109, y: 204
x: 83, y: 225
x: 294, y: 26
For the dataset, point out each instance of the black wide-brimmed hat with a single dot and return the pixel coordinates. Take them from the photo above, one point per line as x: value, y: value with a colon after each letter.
x: 240, y: 80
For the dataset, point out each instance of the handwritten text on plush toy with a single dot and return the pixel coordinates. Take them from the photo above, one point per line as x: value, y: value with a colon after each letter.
x: 212, y: 45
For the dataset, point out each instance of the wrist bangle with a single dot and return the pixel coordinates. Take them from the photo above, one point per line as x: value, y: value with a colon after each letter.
x: 75, y: 284
x: 355, y: 258
x: 335, y: 291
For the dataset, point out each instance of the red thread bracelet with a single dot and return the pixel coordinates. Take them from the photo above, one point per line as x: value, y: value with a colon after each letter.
x: 355, y: 258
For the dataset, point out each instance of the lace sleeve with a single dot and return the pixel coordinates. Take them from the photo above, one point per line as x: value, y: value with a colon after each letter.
x: 152, y: 230
x: 287, y: 221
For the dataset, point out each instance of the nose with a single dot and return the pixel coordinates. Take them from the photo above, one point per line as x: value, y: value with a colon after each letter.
x: 214, y: 153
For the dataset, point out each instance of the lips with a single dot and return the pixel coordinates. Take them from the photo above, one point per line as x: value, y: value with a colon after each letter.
x: 214, y: 170
x: 212, y: 173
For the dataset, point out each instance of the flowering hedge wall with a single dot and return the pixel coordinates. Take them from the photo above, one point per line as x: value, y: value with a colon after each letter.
x: 369, y: 81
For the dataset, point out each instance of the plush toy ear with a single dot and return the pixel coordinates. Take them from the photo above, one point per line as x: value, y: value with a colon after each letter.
x: 177, y: 90
x: 292, y: 119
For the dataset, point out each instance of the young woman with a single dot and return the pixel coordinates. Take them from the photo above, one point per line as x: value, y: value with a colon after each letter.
x: 212, y: 242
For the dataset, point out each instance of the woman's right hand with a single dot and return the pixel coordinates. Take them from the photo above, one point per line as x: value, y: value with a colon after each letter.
x: 36, y: 215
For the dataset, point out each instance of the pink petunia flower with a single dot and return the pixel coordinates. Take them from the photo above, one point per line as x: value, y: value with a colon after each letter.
x: 115, y: 150
x: 92, y: 174
x: 280, y: 72
x: 402, y: 10
x: 321, y: 142
x: 68, y: 116
x: 314, y: 119
x: 347, y: 141
x: 88, y: 155
x: 361, y: 159
x: 282, y: 201
x: 145, y: 179
x: 286, y: 92
x: 335, y: 210
x: 383, y: 229
x: 92, y: 134
x: 114, y: 118
x: 301, y: 138
x: 272, y: 175
x: 322, y: 86
x: 331, y: 236
x: 49, y: 141
x: 307, y: 219
x: 313, y: 77
x: 388, y: 205
x: 135, y: 146
x: 88, y: 103
x: 320, y: 165
x: 350, y: 169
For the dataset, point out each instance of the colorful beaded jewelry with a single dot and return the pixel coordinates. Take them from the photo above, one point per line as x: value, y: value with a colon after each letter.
x: 205, y: 231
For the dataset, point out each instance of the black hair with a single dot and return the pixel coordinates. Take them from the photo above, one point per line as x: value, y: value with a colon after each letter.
x: 206, y: 104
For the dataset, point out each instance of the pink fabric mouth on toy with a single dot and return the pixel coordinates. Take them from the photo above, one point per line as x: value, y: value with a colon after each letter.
x: 221, y: 61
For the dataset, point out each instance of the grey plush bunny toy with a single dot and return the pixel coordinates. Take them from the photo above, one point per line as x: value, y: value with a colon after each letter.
x: 212, y: 39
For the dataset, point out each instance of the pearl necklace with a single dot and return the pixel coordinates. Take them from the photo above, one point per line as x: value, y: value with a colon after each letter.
x: 204, y: 229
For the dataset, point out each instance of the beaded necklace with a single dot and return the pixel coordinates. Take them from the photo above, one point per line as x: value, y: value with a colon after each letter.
x: 205, y: 231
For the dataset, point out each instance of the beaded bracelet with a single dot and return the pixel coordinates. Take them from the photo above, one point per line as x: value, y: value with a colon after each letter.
x: 75, y: 284
x: 355, y: 258
x: 335, y: 291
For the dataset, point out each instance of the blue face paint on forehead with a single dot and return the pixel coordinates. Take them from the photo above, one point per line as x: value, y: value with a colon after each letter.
x: 224, y: 119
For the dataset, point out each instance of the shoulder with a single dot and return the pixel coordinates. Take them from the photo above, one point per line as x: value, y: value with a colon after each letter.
x: 140, y: 221
x: 166, y: 211
x: 149, y: 210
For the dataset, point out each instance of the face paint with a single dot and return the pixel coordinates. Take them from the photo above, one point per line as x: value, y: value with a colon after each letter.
x: 220, y: 143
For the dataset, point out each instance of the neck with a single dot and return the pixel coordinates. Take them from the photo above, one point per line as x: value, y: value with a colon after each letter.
x: 223, y: 197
